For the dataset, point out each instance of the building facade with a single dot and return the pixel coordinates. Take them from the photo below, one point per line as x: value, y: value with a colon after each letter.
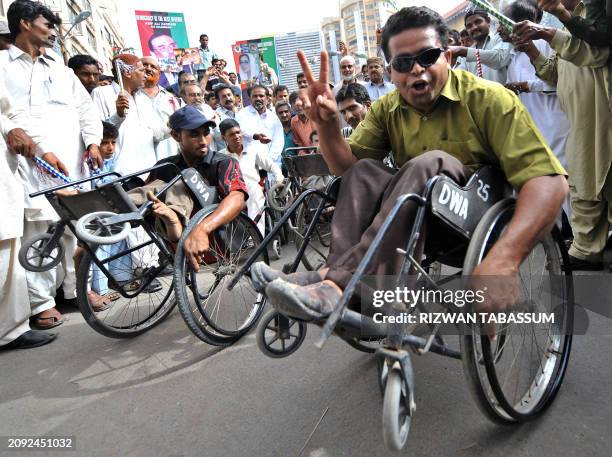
x: 360, y: 19
x: 289, y: 66
x: 98, y: 35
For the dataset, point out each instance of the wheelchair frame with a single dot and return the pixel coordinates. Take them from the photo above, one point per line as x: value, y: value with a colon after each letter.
x: 396, y: 374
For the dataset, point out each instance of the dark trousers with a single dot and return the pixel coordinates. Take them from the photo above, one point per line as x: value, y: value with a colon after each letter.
x: 368, y: 192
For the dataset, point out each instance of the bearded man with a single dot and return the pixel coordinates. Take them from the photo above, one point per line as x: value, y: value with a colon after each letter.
x: 164, y: 104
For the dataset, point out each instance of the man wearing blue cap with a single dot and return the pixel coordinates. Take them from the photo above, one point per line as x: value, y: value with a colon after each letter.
x: 193, y: 133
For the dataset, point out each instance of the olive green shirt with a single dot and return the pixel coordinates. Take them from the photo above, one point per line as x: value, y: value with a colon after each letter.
x: 479, y: 122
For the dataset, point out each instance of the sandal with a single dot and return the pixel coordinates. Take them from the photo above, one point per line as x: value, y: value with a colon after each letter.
x: 45, y: 323
x: 98, y: 302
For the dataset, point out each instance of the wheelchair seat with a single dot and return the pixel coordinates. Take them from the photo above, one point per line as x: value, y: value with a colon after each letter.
x: 109, y: 197
x: 306, y: 165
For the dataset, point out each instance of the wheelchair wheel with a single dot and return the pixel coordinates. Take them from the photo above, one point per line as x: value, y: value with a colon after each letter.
x: 90, y: 229
x: 396, y: 413
x: 279, y: 336
x: 214, y: 314
x: 280, y: 196
x: 131, y: 295
x: 517, y: 377
x: 39, y: 255
x: 317, y: 248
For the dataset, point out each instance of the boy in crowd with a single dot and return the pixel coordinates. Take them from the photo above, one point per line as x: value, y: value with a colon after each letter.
x: 252, y: 158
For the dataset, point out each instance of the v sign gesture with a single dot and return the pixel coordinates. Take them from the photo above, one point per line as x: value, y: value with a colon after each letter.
x: 319, y: 101
x: 320, y: 106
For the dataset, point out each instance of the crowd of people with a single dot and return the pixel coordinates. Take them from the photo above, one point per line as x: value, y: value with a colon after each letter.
x: 399, y: 108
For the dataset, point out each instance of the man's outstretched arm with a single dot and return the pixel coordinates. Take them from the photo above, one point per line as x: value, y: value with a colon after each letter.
x: 320, y: 106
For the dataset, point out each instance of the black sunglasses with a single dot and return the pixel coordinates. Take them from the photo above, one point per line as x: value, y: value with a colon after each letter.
x: 404, y: 63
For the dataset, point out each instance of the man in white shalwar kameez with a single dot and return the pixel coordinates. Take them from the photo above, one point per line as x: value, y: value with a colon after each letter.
x: 60, y: 109
x: 14, y: 301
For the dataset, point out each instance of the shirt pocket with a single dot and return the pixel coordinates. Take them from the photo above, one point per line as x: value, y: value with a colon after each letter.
x: 57, y: 90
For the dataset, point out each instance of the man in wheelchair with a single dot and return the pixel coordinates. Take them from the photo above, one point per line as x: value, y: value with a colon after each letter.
x: 193, y: 132
x: 438, y: 122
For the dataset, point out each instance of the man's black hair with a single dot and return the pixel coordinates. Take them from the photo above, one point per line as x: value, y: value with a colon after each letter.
x: 293, y: 96
x: 228, y: 124
x: 522, y: 11
x: 413, y: 17
x: 257, y: 86
x: 28, y: 11
x: 215, y: 59
x: 109, y: 131
x: 300, y: 76
x: 476, y: 12
x: 209, y: 95
x: 157, y: 34
x: 455, y: 34
x: 219, y: 87
x: 279, y: 89
x: 106, y: 78
x: 281, y: 104
x: 80, y: 60
x: 464, y: 32
x: 203, y: 35
x: 354, y: 91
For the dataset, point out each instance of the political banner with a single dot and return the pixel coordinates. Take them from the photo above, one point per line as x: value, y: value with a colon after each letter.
x: 161, y: 33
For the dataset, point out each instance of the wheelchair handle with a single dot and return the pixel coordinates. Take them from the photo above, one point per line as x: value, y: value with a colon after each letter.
x: 74, y: 183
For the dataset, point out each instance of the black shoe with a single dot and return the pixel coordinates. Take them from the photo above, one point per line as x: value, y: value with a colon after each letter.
x: 30, y: 339
x: 577, y: 264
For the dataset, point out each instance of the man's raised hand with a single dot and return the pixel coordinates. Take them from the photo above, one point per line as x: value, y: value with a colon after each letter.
x: 318, y: 99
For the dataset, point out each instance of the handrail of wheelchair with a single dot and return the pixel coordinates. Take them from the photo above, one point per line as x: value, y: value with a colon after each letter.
x: 73, y: 183
x: 120, y: 178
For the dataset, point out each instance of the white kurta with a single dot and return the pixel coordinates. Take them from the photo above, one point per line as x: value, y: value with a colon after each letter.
x: 164, y: 104
x: 59, y: 108
x: 251, y: 122
x: 253, y: 158
x: 14, y: 304
x: 495, y: 56
x: 542, y: 102
x: 138, y: 131
x: 11, y: 188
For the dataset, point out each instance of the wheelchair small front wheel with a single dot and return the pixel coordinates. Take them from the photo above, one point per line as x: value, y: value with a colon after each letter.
x: 279, y: 336
x: 41, y: 253
x: 91, y: 229
x: 396, y: 414
x: 280, y: 196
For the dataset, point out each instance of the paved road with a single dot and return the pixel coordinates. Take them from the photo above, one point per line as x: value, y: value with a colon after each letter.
x: 168, y: 394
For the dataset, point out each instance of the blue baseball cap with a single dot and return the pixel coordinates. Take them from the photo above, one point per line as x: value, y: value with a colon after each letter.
x: 189, y: 118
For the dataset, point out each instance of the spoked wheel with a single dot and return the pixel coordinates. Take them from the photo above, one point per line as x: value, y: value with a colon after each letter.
x: 41, y: 254
x: 130, y: 294
x: 516, y: 377
x: 317, y: 248
x: 279, y: 336
x: 212, y: 312
x: 396, y: 411
x: 92, y: 228
x: 280, y: 196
